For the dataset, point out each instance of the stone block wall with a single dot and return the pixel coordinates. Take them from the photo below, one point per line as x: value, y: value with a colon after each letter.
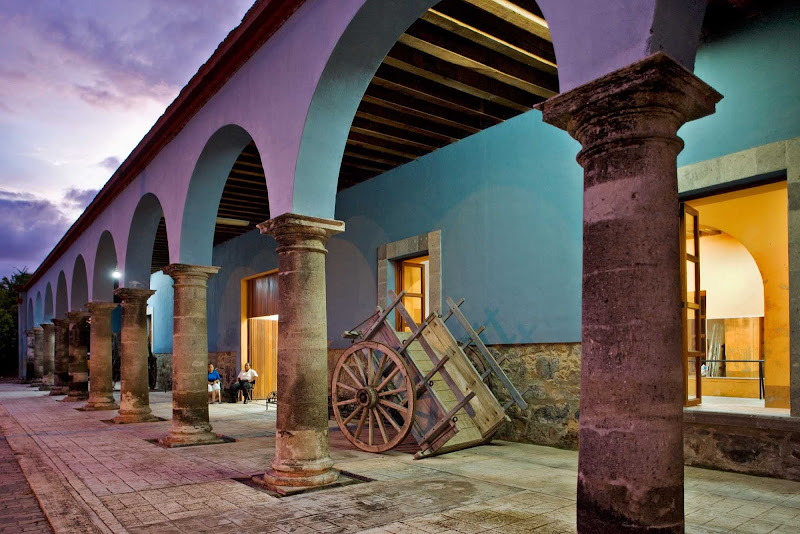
x: 548, y: 375
x: 227, y: 365
x: 164, y: 377
x: 742, y: 443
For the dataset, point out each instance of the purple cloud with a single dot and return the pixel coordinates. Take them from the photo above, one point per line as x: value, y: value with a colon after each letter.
x: 111, y: 163
x: 32, y: 226
x: 79, y: 198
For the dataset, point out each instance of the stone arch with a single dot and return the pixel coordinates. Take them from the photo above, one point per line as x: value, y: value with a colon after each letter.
x: 205, y: 190
x: 590, y: 39
x: 80, y: 285
x: 38, y: 310
x: 105, y: 264
x: 29, y: 323
x: 141, y: 240
x: 48, y: 303
x: 62, y: 296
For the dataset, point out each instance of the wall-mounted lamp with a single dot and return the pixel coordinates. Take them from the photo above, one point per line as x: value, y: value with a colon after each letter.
x: 116, y: 275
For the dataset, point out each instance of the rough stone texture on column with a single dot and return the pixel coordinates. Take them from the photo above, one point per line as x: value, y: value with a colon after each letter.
x: 190, y: 424
x: 134, y: 404
x: 302, y: 456
x: 61, y: 358
x: 38, y: 353
x: 101, y: 390
x: 48, y: 355
x: 78, y: 352
x: 30, y: 353
x: 630, y: 473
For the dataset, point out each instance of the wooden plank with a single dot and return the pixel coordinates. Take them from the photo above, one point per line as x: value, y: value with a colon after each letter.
x: 466, y: 80
x: 440, y: 93
x: 411, y: 117
x: 397, y: 120
x: 456, y: 49
x: 385, y: 146
x: 516, y: 15
x: 400, y: 135
x: 498, y: 27
x: 488, y: 412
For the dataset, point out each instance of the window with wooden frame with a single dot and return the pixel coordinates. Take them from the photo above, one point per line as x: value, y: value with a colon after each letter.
x: 411, y: 276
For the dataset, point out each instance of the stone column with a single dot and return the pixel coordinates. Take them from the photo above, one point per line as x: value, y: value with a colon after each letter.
x: 38, y: 355
x: 78, y: 351
x: 190, y: 424
x: 30, y: 352
x: 630, y: 472
x: 48, y: 355
x: 61, y: 358
x: 302, y: 457
x: 101, y: 387
x: 134, y: 403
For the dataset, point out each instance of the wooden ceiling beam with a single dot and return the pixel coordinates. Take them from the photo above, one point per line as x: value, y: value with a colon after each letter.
x: 377, y: 129
x: 515, y: 14
x: 412, y: 122
x: 419, y: 108
x: 372, y: 155
x: 438, y: 93
x: 382, y: 145
x: 491, y: 42
x: 466, y: 80
x: 453, y: 48
x: 496, y: 26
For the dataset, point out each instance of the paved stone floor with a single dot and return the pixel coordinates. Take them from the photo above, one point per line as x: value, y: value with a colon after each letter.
x: 90, y: 476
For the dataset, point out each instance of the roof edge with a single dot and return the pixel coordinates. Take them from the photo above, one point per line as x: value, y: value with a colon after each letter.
x: 258, y: 25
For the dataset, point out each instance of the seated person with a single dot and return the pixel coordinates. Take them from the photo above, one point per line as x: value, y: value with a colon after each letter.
x: 214, y: 381
x: 245, y: 382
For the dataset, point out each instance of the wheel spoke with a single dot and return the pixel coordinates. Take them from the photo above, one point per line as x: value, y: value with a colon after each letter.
x: 349, y: 417
x: 379, y: 371
x: 371, y: 432
x: 380, y: 426
x: 352, y: 375
x: 360, y: 368
x: 388, y: 378
x: 360, y: 424
x: 346, y: 402
x: 391, y: 392
x: 401, y: 409
x: 388, y: 417
x: 345, y: 386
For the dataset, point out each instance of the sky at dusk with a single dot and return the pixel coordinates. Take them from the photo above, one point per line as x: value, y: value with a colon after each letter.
x: 81, y: 82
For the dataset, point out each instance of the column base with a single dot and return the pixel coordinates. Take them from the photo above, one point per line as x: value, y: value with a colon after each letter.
x: 299, y: 475
x: 191, y: 437
x: 45, y: 387
x: 135, y: 417
x: 59, y: 390
x: 97, y: 406
x: 36, y: 382
x: 79, y: 396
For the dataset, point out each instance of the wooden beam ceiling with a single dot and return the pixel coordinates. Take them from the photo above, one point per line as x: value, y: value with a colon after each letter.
x: 464, y: 66
x: 244, y: 203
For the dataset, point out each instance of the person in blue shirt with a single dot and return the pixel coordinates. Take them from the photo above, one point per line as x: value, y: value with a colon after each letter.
x: 214, y: 381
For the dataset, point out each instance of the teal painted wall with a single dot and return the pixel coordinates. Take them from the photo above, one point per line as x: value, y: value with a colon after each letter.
x: 508, y: 204
x: 162, y: 306
x: 757, y: 69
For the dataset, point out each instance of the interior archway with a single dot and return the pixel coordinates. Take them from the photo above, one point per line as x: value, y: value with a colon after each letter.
x: 30, y: 324
x: 48, y: 304
x: 148, y: 248
x: 80, y: 285
x: 105, y: 265
x: 62, y: 297
x: 38, y: 311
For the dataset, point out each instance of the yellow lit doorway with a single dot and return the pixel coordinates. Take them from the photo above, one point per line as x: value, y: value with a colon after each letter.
x: 260, y: 330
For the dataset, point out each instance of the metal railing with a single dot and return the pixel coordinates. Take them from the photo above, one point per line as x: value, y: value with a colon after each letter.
x: 760, y: 372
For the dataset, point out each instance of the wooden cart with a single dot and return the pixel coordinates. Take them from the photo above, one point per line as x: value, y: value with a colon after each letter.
x: 390, y: 383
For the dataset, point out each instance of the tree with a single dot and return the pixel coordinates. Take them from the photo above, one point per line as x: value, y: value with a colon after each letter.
x: 9, y: 317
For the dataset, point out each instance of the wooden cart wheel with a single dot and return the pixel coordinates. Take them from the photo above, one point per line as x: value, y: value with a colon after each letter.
x: 373, y: 396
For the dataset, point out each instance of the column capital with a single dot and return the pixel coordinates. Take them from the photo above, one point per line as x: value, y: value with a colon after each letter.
x: 651, y: 98
x: 48, y: 326
x: 293, y: 231
x: 101, y: 307
x: 37, y: 329
x: 131, y: 294
x: 60, y: 322
x: 29, y: 331
x: 183, y: 273
x: 75, y: 316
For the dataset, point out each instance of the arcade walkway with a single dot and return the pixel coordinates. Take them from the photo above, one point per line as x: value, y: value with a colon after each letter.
x: 90, y: 476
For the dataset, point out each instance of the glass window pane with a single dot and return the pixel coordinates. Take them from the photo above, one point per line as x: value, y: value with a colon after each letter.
x: 414, y: 307
x: 412, y: 278
x: 692, y: 321
x: 692, y: 383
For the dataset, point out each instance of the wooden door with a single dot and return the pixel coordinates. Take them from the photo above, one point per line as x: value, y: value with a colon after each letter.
x: 262, y: 340
x: 691, y: 316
